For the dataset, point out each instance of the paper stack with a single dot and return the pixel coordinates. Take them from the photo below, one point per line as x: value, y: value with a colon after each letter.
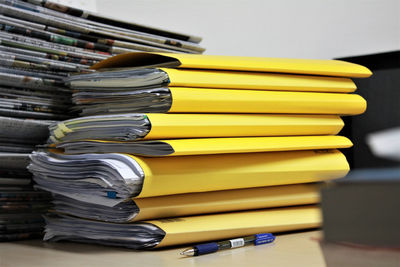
x: 41, y: 44
x: 207, y: 147
x: 21, y: 207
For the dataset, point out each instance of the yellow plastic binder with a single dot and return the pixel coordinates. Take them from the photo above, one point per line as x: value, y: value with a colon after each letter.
x: 257, y: 64
x: 189, y: 174
x: 257, y: 81
x: 174, y: 126
x: 201, y: 146
x: 183, y: 230
x: 226, y: 201
x: 195, y: 100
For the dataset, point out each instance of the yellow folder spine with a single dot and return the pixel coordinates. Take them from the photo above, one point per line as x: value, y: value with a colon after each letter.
x: 187, y: 174
x: 257, y: 81
x: 174, y: 126
x: 196, y: 100
x: 236, y: 224
x: 226, y: 201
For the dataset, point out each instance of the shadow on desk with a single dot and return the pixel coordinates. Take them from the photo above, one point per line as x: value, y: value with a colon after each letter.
x: 76, y: 247
x: 72, y: 247
x: 294, y: 249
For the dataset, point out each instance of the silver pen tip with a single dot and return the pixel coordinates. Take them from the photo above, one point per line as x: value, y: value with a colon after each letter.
x: 188, y: 252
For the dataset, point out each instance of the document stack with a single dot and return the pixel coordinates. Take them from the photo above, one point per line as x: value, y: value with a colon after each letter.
x: 42, y: 43
x: 177, y: 148
x: 21, y: 207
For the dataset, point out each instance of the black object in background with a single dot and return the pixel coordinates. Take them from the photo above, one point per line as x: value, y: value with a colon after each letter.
x: 363, y: 208
x: 382, y: 92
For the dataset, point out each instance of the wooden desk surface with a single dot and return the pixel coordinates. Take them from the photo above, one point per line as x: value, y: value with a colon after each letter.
x: 295, y: 249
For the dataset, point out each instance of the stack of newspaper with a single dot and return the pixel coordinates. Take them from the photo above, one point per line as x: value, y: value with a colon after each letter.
x: 41, y: 44
x: 21, y: 207
x: 234, y: 147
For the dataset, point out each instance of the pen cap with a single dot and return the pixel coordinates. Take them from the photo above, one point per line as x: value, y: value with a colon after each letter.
x: 263, y: 239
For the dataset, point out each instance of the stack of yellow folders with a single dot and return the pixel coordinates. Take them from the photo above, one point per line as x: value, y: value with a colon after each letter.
x: 174, y: 149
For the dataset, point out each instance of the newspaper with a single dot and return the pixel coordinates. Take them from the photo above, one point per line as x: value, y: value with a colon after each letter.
x: 56, y: 35
x: 48, y: 64
x: 112, y: 21
x: 23, y: 196
x: 8, y: 78
x: 19, y: 236
x: 33, y: 114
x: 113, y: 46
x: 66, y: 49
x: 74, y: 24
x: 16, y: 148
x: 32, y: 104
x: 118, y: 46
x: 18, y: 28
x: 24, y: 62
x: 49, y: 53
x: 14, y: 160
x: 63, y: 97
x: 29, y: 24
x: 154, y: 35
x: 20, y: 51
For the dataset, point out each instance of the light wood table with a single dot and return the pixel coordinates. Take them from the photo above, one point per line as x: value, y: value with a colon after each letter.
x: 295, y: 249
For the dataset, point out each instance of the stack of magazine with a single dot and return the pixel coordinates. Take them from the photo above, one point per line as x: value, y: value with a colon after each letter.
x: 41, y: 44
x: 187, y: 148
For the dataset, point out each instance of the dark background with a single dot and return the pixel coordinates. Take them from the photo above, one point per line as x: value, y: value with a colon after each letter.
x: 382, y: 92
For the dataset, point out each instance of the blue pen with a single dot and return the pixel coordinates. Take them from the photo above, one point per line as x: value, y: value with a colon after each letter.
x: 206, y: 248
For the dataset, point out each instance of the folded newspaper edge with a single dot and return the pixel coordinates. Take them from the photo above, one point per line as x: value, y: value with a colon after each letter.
x: 136, y: 236
x: 34, y: 131
x: 123, y: 127
x: 14, y: 160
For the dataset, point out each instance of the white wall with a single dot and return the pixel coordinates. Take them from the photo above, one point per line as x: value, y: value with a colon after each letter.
x: 276, y: 28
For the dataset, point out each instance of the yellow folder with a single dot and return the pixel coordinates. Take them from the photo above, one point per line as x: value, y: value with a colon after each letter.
x: 257, y: 81
x: 226, y: 201
x: 201, y: 146
x: 174, y: 126
x: 195, y: 229
x: 195, y: 100
x: 257, y: 64
x: 203, y: 173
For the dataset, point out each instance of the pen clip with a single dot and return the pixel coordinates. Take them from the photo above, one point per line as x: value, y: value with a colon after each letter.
x: 263, y: 239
